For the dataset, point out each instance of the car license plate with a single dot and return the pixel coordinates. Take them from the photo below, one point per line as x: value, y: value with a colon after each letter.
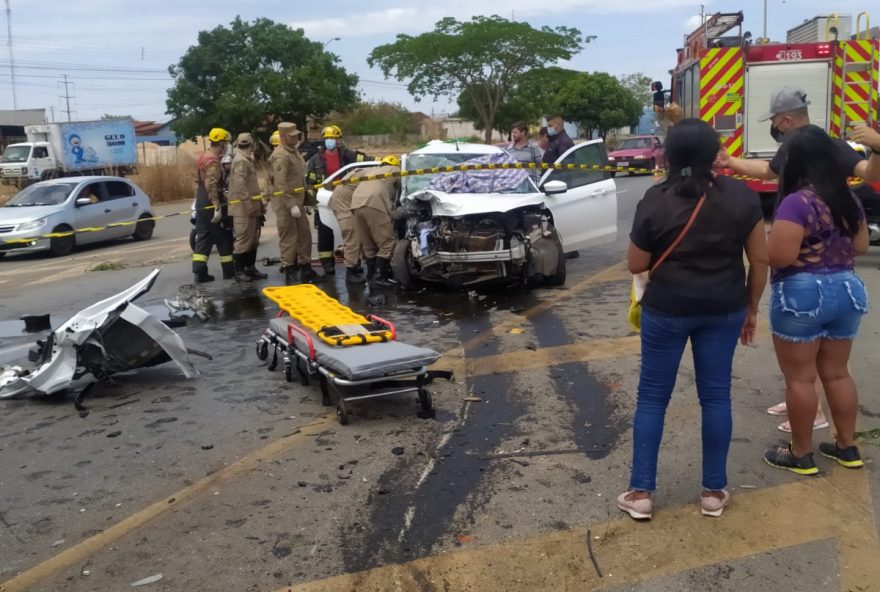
x: 623, y: 164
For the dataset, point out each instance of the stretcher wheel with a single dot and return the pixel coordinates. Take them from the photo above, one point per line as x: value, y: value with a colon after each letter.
x: 341, y: 414
x: 425, y: 399
x: 288, y: 371
x: 262, y: 350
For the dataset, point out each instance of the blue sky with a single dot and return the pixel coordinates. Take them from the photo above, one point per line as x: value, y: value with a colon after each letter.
x: 116, y: 53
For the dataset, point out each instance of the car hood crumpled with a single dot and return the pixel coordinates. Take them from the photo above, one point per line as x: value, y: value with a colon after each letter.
x: 467, y: 204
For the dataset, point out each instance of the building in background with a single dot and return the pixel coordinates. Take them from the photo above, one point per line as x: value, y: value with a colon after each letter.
x: 12, y: 124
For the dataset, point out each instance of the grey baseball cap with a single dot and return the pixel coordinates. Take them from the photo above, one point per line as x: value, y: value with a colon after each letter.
x: 784, y: 100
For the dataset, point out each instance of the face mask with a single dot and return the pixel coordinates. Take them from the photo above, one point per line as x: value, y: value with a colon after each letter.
x: 330, y: 144
x: 776, y: 133
x: 551, y: 131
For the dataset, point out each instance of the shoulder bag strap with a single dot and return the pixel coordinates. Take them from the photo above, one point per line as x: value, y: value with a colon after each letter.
x: 681, y: 234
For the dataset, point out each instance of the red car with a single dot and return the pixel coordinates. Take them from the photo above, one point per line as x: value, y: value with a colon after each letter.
x: 644, y: 152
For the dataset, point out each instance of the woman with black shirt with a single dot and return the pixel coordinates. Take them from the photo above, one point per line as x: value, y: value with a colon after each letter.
x: 701, y: 293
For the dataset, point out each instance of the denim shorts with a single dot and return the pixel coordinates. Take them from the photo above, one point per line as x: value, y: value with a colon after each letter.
x: 810, y: 306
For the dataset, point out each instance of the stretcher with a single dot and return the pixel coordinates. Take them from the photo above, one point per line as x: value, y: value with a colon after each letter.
x: 347, y: 370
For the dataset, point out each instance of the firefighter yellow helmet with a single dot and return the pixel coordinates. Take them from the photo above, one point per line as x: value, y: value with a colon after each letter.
x: 218, y: 134
x: 275, y: 138
x: 331, y: 131
x: 391, y: 160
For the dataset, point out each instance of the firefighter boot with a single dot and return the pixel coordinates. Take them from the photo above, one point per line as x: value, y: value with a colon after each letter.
x: 292, y: 275
x: 200, y: 273
x: 382, y: 279
x: 329, y: 265
x: 251, y: 267
x: 371, y: 268
x: 239, y: 260
x: 353, y: 278
x: 228, y: 269
x: 308, y: 274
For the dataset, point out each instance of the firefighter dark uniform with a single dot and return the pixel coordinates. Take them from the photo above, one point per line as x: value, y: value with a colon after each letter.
x: 340, y: 205
x: 287, y: 172
x: 371, y: 205
x: 246, y: 211
x: 212, y: 220
x: 330, y: 157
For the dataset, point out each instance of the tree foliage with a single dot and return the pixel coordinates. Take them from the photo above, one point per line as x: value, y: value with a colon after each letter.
x: 376, y: 118
x: 533, y: 94
x: 598, y: 102
x: 639, y: 85
x: 252, y: 75
x: 481, y: 58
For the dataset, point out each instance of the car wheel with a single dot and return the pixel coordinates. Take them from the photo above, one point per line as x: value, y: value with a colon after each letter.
x: 62, y: 245
x: 558, y: 278
x: 401, y: 259
x: 143, y: 230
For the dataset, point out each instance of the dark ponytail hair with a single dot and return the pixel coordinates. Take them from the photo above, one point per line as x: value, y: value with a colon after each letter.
x: 813, y: 159
x: 691, y: 148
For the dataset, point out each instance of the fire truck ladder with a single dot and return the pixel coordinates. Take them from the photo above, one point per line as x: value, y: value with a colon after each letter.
x: 859, y: 78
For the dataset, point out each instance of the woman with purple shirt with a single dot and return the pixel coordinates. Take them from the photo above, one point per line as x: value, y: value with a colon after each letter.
x: 817, y: 301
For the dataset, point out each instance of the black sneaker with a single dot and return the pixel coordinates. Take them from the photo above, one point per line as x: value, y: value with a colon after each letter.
x: 849, y: 457
x: 784, y: 458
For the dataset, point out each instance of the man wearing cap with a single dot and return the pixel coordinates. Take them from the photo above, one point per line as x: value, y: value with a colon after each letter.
x: 245, y: 210
x: 789, y: 111
x: 211, y: 218
x: 289, y: 195
x: 371, y: 204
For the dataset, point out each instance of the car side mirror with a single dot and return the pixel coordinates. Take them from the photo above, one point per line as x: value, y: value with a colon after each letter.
x: 83, y: 201
x: 554, y: 187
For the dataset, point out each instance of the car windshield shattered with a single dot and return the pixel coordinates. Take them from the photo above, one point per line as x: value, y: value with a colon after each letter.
x: 635, y: 144
x: 482, y: 181
x: 42, y: 195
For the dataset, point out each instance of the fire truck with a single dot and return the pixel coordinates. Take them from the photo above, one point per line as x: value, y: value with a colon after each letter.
x: 726, y: 79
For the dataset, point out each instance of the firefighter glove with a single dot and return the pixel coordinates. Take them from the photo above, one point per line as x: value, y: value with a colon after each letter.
x: 295, y: 212
x: 218, y: 215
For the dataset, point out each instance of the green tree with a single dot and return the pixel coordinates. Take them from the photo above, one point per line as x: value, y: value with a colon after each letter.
x: 639, y: 85
x: 376, y: 118
x: 484, y: 57
x: 535, y: 93
x: 599, y: 103
x: 252, y: 75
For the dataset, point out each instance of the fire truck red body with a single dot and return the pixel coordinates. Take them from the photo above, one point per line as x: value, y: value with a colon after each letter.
x: 727, y: 81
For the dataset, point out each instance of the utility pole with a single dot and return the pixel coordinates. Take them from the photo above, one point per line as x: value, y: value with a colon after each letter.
x: 765, y: 19
x: 66, y: 95
x: 11, y: 54
x: 52, y: 109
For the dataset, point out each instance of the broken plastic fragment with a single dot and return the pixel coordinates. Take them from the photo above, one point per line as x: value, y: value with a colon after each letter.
x: 150, y: 580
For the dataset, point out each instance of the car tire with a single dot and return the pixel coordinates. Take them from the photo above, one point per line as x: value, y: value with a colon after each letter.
x: 143, y: 230
x: 60, y: 246
x: 401, y: 259
x: 558, y: 278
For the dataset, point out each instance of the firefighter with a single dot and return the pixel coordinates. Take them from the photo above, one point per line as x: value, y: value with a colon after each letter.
x: 273, y: 139
x: 246, y: 211
x: 287, y: 173
x: 329, y: 158
x: 212, y: 223
x: 371, y: 205
x: 340, y: 204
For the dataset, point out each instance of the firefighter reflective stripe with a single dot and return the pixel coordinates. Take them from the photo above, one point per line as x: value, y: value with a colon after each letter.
x: 200, y: 258
x: 854, y: 84
x: 722, y: 76
x: 223, y: 258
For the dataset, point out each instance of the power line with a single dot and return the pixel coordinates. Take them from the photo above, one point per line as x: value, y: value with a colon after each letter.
x: 66, y: 95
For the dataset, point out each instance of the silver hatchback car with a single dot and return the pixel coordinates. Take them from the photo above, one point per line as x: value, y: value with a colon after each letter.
x: 113, y: 206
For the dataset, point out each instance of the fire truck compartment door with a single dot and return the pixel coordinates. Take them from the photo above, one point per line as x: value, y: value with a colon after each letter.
x: 763, y: 79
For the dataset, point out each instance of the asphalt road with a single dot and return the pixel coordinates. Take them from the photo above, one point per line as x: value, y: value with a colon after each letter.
x: 238, y: 480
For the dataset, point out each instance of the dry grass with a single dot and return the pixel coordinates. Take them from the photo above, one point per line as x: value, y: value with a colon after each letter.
x: 165, y: 182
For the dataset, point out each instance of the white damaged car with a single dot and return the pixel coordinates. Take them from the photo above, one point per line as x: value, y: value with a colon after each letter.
x: 475, y: 228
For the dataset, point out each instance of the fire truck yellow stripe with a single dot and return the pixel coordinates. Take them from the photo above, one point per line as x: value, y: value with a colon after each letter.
x: 724, y: 56
x: 723, y: 102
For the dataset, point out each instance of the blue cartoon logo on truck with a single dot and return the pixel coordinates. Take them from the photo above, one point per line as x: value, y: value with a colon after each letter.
x: 92, y: 145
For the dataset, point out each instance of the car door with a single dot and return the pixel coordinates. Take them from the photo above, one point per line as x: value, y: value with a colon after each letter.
x: 42, y: 161
x: 122, y: 203
x: 93, y: 215
x: 324, y: 193
x: 586, y: 214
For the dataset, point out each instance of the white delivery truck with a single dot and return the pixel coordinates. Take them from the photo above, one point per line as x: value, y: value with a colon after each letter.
x: 105, y: 147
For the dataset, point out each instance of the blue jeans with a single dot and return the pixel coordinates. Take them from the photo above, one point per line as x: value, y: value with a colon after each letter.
x: 808, y: 306
x: 713, y: 341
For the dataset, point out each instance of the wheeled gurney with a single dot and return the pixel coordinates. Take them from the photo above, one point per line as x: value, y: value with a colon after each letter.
x: 364, y: 369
